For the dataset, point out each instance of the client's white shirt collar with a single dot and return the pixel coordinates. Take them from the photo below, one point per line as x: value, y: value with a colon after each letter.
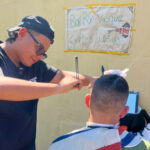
x: 102, y: 125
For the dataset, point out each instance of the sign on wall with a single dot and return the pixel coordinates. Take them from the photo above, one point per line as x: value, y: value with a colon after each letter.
x: 99, y: 28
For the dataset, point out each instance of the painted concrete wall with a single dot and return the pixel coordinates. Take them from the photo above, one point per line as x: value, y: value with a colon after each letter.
x: 62, y: 113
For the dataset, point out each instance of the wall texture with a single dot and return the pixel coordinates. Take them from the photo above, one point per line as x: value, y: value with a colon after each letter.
x: 62, y: 113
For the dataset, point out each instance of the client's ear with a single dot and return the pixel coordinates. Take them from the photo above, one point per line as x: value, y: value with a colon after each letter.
x: 124, y: 111
x: 87, y: 100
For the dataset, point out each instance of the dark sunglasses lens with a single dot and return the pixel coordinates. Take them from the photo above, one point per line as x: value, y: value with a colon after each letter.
x: 40, y: 50
x: 40, y: 53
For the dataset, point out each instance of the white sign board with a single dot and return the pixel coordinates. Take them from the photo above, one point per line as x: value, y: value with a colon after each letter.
x: 100, y: 28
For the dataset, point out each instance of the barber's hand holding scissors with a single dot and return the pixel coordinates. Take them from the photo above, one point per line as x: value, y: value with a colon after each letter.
x: 69, y: 83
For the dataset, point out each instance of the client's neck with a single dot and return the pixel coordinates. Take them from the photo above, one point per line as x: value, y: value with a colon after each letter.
x: 103, y: 118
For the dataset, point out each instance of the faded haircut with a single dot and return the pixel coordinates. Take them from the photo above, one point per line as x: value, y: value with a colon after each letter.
x: 109, y: 94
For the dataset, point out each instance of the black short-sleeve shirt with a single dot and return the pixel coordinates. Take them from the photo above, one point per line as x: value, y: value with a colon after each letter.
x: 18, y: 118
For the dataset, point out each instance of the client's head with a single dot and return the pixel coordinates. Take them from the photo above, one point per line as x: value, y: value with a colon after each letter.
x: 108, y: 98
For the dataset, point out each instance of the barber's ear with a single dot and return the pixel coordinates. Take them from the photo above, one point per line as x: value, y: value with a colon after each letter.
x: 124, y: 111
x: 23, y: 31
x: 87, y: 100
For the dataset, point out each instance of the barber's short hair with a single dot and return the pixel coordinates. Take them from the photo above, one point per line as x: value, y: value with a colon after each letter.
x: 110, y: 93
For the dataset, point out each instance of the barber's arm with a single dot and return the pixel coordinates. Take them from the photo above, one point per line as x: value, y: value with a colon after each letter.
x: 19, y: 90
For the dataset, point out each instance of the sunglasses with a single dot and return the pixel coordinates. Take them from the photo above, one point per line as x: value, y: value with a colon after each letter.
x: 40, y: 51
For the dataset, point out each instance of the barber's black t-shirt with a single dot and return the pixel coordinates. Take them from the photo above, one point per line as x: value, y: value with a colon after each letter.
x: 18, y: 119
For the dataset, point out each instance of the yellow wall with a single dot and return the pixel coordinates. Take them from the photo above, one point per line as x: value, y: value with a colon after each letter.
x: 62, y: 113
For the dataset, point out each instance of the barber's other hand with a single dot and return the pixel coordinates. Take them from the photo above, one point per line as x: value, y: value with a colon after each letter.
x: 135, y: 122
